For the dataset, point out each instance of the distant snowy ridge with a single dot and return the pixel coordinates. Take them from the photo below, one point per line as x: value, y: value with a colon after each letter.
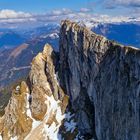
x: 105, y: 19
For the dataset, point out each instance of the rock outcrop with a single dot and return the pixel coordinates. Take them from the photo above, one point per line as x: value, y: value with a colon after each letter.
x: 91, y: 92
x: 47, y: 113
x: 102, y: 79
x: 16, y: 123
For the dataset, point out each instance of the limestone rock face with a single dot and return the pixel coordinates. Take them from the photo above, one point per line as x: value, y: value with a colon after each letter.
x: 102, y: 79
x: 15, y: 123
x: 43, y: 82
x: 40, y: 120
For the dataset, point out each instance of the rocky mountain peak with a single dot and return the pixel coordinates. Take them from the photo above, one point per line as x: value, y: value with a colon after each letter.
x: 91, y: 91
x: 16, y: 123
x: 46, y: 112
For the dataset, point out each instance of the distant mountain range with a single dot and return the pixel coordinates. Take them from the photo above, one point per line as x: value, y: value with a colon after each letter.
x: 125, y: 33
x: 11, y: 38
x: 18, y: 47
x: 22, y: 47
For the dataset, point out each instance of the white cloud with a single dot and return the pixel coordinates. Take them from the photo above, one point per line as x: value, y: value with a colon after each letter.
x: 85, y: 10
x: 128, y: 2
x: 124, y: 3
x: 6, y: 13
x: 10, y: 18
x: 63, y: 11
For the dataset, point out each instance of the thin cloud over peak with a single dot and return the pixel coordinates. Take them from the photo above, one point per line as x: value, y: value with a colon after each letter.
x: 121, y: 3
x: 85, y: 10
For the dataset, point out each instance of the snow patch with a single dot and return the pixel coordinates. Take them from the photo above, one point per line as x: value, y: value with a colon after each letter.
x: 79, y: 137
x: 18, y: 88
x: 134, y: 48
x: 68, y: 116
x: 55, y: 108
x: 28, y: 106
x: 52, y: 36
x: 29, y: 114
x: 35, y: 123
x: 52, y: 131
x: 15, y: 138
x: 70, y: 126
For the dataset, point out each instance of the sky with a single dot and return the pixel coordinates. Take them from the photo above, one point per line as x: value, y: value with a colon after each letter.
x: 37, y: 11
x: 39, y: 6
x: 99, y: 6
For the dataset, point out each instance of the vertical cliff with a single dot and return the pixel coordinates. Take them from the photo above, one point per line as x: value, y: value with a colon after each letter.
x: 102, y: 79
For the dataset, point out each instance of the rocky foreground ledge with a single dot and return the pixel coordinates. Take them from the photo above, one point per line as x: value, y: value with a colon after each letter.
x: 90, y: 90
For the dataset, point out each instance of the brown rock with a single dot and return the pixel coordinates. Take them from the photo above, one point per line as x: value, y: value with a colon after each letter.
x: 15, y: 122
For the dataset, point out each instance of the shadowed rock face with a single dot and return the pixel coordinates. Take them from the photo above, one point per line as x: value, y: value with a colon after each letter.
x: 102, y: 79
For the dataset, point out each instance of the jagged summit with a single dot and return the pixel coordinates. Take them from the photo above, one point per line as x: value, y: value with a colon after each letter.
x: 41, y: 119
x: 83, y: 28
x: 90, y: 90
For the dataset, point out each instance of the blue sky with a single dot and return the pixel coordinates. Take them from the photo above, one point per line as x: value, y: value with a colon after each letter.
x: 42, y: 5
x: 111, y: 7
x: 42, y: 11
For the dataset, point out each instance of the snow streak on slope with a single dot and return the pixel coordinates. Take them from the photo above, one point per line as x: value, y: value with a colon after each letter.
x: 49, y: 127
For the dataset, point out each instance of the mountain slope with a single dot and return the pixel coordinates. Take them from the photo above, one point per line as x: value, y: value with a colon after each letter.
x: 10, y: 39
x: 15, y: 63
x: 90, y: 92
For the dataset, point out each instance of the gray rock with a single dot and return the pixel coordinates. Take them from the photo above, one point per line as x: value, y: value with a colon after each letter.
x: 102, y: 79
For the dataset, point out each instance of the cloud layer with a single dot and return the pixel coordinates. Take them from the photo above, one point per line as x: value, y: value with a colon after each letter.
x: 6, y: 13
x: 11, y: 18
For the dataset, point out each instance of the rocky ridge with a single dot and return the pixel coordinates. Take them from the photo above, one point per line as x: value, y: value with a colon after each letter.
x: 92, y: 92
x: 47, y: 113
